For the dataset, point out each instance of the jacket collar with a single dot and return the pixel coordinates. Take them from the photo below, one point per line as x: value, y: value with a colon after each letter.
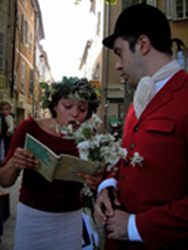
x: 165, y: 94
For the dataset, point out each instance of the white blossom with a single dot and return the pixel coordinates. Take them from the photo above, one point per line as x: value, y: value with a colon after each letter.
x: 97, y: 122
x: 137, y: 159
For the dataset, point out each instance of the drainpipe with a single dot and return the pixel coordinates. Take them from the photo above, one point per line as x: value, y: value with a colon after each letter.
x: 34, y: 64
x: 13, y: 49
x: 107, y: 67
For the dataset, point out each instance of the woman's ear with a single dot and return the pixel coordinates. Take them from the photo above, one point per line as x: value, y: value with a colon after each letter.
x: 144, y: 44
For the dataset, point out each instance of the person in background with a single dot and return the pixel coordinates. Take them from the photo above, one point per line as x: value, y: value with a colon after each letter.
x: 5, y: 108
x: 150, y: 205
x: 49, y: 215
x: 3, y: 129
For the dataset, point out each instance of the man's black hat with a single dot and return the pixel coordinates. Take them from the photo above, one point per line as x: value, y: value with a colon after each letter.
x: 142, y: 19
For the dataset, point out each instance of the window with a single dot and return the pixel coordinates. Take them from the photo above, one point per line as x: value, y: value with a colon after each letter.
x: 127, y: 3
x: 176, y: 9
x: 1, y: 50
x: 93, y: 6
x: 181, y: 10
x: 96, y: 74
x: 22, y: 81
x: 18, y: 20
x: 30, y: 43
x: 24, y: 31
x: 151, y: 2
x: 98, y: 22
x: 26, y: 3
x: 168, y: 8
x: 15, y: 81
x: 31, y: 81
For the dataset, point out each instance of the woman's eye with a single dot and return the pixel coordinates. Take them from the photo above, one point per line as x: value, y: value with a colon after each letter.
x: 67, y: 106
x: 82, y: 109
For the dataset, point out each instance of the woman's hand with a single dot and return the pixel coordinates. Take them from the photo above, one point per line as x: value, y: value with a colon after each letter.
x: 92, y: 180
x: 22, y: 159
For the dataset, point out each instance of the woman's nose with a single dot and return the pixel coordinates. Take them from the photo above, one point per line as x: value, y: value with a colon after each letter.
x: 74, y: 112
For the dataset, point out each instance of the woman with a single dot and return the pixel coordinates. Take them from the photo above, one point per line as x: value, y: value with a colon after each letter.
x: 49, y: 215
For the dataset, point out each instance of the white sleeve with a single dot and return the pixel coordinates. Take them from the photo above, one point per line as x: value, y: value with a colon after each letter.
x: 133, y: 233
x: 10, y: 122
x: 132, y: 230
x: 107, y: 183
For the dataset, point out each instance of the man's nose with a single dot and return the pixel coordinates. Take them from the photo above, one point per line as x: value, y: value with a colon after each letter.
x: 118, y: 66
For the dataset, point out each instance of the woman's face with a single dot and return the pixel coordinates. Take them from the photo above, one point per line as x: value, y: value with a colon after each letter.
x: 71, y: 112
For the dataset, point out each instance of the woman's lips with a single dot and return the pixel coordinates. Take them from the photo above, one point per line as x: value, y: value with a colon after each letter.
x: 75, y: 124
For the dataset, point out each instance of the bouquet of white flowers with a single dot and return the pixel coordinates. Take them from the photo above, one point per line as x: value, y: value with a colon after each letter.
x: 98, y: 147
x: 102, y: 148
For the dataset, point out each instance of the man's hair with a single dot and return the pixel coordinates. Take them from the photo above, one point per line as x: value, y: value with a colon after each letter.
x: 131, y: 41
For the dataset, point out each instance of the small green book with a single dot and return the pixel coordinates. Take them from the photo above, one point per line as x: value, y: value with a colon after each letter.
x: 58, y: 167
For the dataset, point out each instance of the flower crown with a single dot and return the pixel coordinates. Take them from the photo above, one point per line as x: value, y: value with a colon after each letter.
x: 77, y: 89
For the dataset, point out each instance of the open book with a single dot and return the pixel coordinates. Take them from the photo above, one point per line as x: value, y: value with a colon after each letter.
x: 59, y: 167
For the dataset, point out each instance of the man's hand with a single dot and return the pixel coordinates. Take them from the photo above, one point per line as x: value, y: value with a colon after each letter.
x: 103, y: 205
x: 116, y: 225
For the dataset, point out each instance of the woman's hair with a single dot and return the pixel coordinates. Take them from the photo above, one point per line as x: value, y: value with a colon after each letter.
x: 74, y: 88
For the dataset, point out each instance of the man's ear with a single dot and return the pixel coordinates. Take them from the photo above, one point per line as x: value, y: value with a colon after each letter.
x: 144, y: 44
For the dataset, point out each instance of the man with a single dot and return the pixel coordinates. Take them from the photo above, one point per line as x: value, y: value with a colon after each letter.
x: 151, y: 194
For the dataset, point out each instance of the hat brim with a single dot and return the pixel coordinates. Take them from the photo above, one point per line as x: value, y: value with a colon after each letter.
x: 109, y: 41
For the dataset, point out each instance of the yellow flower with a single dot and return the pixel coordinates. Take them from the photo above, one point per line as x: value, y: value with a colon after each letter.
x: 111, y: 2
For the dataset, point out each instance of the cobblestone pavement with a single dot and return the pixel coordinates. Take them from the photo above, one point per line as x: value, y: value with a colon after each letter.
x: 9, y: 225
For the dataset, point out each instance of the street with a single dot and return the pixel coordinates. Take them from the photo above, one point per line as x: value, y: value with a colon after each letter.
x: 9, y: 225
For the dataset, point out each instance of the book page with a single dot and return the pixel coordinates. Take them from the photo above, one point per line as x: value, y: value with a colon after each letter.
x: 69, y: 166
x: 47, y: 158
x: 62, y: 167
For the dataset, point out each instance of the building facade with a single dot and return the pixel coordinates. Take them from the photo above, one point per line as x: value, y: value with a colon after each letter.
x: 21, y: 31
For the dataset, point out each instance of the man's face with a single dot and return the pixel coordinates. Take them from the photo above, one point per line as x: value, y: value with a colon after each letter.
x: 128, y: 62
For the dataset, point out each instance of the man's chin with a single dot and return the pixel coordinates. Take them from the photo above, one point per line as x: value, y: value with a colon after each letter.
x: 130, y: 84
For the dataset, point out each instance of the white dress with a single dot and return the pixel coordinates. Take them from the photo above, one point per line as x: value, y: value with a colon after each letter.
x: 39, y: 230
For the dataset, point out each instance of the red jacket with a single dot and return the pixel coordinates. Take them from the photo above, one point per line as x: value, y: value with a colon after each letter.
x: 157, y: 192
